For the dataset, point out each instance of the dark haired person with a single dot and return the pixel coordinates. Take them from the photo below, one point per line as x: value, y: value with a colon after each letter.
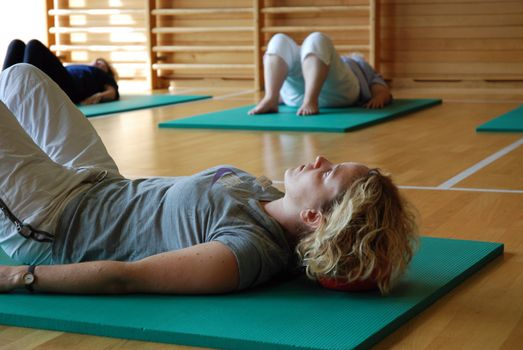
x: 84, y: 83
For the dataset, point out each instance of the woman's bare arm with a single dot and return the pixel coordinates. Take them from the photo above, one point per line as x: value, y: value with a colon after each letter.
x: 204, y: 268
x: 109, y: 94
x: 381, y: 96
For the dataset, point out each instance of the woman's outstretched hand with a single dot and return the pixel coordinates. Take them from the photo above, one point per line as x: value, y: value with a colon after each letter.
x: 378, y: 101
x: 10, y: 277
x: 91, y: 100
x: 381, y: 97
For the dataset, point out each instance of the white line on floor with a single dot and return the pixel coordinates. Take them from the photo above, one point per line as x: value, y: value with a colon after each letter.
x: 433, y: 188
x: 481, y: 101
x: 465, y: 189
x: 467, y: 172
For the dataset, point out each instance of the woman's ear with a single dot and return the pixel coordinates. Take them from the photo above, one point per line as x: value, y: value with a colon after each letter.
x: 311, y: 217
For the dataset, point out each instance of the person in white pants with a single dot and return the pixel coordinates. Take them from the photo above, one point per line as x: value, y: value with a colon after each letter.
x: 315, y: 75
x: 40, y: 123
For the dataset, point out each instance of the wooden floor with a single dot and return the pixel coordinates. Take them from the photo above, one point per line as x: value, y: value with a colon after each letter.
x: 423, y: 151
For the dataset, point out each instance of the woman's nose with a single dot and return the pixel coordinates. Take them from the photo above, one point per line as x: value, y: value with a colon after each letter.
x: 320, y: 160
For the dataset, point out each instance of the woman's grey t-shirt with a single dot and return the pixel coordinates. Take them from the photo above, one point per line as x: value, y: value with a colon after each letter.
x: 127, y: 220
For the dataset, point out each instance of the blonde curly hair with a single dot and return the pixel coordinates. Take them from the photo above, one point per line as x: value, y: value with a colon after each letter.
x: 369, y: 233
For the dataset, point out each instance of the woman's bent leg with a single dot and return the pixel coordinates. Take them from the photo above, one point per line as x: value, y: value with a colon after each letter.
x: 54, y: 123
x: 340, y: 87
x: 274, y: 71
x: 38, y: 55
x: 314, y: 73
x: 15, y: 53
x: 282, y: 48
x: 281, y: 58
x: 33, y: 191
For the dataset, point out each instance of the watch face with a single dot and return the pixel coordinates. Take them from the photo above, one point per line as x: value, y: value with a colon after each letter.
x: 29, y: 278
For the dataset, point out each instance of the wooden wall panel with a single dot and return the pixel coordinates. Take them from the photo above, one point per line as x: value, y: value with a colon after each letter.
x: 463, y: 40
x: 417, y: 40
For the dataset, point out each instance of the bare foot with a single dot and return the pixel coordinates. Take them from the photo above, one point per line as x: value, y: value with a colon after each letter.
x: 265, y: 106
x: 308, y: 108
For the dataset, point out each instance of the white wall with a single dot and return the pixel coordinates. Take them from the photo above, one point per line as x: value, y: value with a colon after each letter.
x: 21, y: 19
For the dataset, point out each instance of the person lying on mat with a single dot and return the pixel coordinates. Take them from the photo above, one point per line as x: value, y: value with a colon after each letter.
x: 84, y: 84
x: 315, y: 76
x: 84, y: 228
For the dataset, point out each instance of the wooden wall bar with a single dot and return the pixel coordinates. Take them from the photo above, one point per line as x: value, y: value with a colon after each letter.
x: 203, y: 39
x: 81, y: 31
x: 410, y: 41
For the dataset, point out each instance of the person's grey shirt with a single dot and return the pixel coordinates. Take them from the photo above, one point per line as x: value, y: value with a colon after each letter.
x: 127, y: 220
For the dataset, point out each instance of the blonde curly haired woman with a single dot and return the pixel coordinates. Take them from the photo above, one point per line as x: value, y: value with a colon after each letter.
x: 367, y: 237
x: 78, y: 226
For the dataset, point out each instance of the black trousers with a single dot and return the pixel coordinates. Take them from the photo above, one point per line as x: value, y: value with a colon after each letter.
x: 38, y: 55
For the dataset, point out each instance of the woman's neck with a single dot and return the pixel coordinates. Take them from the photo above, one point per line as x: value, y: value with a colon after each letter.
x: 285, y: 216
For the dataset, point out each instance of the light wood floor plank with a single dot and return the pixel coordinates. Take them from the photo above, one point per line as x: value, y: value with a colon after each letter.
x: 504, y: 173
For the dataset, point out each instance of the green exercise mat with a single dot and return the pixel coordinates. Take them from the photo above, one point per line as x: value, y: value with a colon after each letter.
x: 329, y: 120
x: 508, y: 122
x: 133, y: 102
x: 296, y: 314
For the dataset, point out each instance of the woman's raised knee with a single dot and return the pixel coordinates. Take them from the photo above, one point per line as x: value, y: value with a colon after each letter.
x: 35, y: 44
x: 20, y: 69
x: 16, y: 44
x: 13, y: 75
x: 318, y: 38
x: 283, y: 46
x: 280, y: 38
x: 319, y: 45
